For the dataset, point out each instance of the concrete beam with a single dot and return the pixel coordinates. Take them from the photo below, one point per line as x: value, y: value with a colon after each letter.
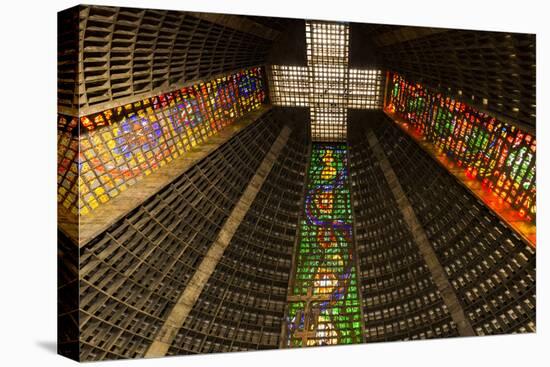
x: 192, y: 291
x: 421, y: 239
x: 100, y: 107
x: 405, y: 34
x: 239, y: 23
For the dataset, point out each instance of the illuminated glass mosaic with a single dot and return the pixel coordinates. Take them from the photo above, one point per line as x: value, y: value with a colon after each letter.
x: 289, y: 85
x: 501, y: 156
x: 122, y: 145
x: 67, y: 167
x: 324, y: 303
x: 365, y: 89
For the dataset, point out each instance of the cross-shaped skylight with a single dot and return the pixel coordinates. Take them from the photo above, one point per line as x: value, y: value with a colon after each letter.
x: 326, y: 85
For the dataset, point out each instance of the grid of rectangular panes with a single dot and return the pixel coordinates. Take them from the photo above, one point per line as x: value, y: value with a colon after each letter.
x: 327, y: 84
x: 327, y: 43
x: 132, y: 274
x: 365, y: 89
x: 122, y: 145
x: 327, y: 58
x: 327, y: 47
x: 289, y: 85
x: 328, y: 123
x: 323, y: 300
x: 499, y: 155
x: 67, y: 167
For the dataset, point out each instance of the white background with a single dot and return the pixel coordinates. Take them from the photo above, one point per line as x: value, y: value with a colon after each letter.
x: 28, y: 182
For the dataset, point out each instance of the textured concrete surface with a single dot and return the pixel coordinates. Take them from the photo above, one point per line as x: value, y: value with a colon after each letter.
x: 421, y: 239
x: 191, y: 293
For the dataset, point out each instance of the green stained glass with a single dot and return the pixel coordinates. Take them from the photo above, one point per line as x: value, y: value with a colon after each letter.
x: 498, y: 154
x: 324, y: 305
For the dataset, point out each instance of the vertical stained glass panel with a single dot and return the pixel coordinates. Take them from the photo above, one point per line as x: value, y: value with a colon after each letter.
x: 496, y: 153
x: 119, y: 146
x: 323, y: 302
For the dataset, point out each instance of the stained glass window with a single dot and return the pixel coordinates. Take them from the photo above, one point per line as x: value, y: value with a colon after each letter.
x: 323, y: 302
x: 67, y: 168
x: 500, y: 155
x: 122, y: 145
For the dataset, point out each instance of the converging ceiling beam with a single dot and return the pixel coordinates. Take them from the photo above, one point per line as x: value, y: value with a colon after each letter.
x: 192, y: 291
x: 421, y: 239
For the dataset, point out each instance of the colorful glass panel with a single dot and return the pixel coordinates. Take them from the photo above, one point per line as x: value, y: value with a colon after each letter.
x: 499, y: 155
x: 323, y: 302
x: 67, y: 168
x: 120, y: 146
